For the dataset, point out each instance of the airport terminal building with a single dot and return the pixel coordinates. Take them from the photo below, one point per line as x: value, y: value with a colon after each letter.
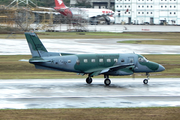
x: 147, y: 12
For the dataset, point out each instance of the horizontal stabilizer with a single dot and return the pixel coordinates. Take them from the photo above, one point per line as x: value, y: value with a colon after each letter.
x: 38, y: 60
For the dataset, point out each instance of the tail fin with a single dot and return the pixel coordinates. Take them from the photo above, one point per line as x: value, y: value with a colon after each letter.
x: 35, y: 45
x: 59, y: 4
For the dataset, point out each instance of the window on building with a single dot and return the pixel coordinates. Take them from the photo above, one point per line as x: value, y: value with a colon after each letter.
x: 174, y: 12
x: 138, y: 12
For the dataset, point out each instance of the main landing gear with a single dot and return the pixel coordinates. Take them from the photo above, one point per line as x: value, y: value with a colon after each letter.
x: 89, y: 80
x: 107, y: 81
x: 145, y: 81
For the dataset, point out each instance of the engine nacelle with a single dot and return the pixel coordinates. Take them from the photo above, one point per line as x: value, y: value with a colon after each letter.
x: 125, y: 71
x: 110, y: 19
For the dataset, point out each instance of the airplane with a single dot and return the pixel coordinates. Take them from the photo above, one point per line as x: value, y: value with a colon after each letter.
x: 91, y: 64
x: 90, y: 14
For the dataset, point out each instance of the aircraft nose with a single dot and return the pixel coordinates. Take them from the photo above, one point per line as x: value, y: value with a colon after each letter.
x: 161, y: 68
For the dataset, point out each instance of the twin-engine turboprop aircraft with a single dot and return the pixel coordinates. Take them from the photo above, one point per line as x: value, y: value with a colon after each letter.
x: 91, y: 64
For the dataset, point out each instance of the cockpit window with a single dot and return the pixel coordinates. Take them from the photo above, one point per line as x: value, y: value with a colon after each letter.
x: 142, y: 59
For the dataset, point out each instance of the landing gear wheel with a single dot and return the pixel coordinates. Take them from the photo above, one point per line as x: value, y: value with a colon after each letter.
x: 88, y: 80
x: 107, y: 82
x: 145, y: 81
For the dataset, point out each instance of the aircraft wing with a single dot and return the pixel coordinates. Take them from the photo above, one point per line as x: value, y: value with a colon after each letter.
x: 99, y: 71
x: 98, y: 16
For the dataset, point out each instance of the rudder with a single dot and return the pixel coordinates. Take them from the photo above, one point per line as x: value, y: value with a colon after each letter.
x: 35, y: 45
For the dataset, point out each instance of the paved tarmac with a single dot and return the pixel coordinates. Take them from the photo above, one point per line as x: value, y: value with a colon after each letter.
x: 20, y: 46
x: 117, y: 28
x: 75, y: 93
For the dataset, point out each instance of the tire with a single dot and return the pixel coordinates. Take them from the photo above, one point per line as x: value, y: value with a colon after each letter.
x: 89, y: 80
x: 107, y: 82
x: 145, y: 81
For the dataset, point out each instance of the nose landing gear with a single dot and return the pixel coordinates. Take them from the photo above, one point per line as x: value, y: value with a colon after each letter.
x: 145, y: 81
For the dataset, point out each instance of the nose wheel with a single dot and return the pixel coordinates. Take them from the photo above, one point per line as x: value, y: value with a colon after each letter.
x: 145, y: 81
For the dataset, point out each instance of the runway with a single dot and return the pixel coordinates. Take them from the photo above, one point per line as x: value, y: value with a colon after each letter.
x: 75, y: 93
x: 20, y: 46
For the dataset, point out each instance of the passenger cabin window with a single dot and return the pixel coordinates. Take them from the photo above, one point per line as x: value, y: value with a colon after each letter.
x: 100, y: 60
x: 93, y: 60
x: 78, y: 62
x: 108, y: 60
x: 115, y: 60
x: 122, y: 60
x: 85, y: 60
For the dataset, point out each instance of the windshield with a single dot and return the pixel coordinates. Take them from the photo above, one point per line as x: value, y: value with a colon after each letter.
x: 142, y: 59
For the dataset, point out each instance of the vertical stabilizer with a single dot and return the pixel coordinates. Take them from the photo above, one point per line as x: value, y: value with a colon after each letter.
x: 35, y: 45
x: 60, y: 4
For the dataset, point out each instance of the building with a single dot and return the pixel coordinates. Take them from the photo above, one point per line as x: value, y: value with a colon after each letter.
x: 101, y: 4
x: 147, y: 11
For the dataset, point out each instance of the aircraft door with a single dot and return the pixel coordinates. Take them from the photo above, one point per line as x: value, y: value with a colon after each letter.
x: 131, y: 60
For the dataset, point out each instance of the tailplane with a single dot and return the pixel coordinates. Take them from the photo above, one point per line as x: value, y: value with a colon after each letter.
x: 59, y: 4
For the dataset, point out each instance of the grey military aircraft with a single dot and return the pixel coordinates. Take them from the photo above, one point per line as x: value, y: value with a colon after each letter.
x: 91, y: 64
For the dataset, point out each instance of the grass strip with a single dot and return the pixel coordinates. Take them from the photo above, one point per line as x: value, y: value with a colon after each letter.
x: 164, y: 113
